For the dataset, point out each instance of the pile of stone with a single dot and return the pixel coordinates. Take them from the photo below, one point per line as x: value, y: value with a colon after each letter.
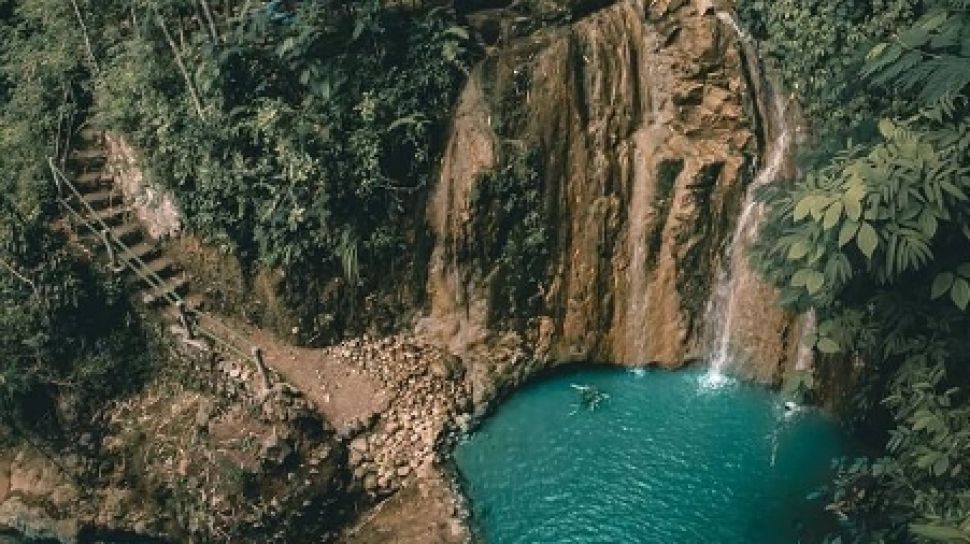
x: 428, y: 398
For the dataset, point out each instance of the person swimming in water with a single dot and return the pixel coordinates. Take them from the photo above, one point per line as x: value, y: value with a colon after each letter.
x: 590, y: 397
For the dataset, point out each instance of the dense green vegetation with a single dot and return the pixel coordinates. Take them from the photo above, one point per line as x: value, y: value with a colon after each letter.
x: 298, y: 135
x: 875, y: 237
x: 67, y: 336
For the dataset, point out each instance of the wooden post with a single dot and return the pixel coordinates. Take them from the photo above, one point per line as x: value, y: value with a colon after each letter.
x: 112, y: 256
x: 184, y: 320
x: 261, y: 366
x: 58, y: 184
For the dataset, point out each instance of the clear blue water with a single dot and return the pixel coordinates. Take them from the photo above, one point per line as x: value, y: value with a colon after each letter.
x: 662, y: 461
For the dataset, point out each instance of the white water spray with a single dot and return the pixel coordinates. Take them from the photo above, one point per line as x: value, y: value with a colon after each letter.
x: 726, y: 304
x: 806, y: 356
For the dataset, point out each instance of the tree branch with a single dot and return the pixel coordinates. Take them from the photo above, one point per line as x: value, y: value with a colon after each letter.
x: 87, y: 39
x: 243, y: 12
x: 181, y: 66
x: 212, y: 23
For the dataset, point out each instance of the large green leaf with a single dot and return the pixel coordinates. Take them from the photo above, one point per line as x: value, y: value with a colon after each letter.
x: 867, y: 240
x: 828, y: 346
x: 887, y: 128
x: 853, y: 208
x: 939, y: 533
x: 941, y: 284
x: 848, y: 232
x: 800, y: 278
x: 814, y: 282
x: 832, y: 215
x: 960, y: 293
x: 798, y: 250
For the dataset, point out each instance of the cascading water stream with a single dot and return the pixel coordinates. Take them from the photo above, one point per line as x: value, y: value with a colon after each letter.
x: 805, y: 357
x: 724, y: 313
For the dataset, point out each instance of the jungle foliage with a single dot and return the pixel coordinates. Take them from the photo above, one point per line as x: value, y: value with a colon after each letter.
x: 874, y: 236
x: 298, y: 135
x: 68, y: 339
x: 510, y: 233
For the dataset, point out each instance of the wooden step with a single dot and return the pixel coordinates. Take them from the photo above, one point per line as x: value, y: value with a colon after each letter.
x: 128, y: 233
x: 94, y: 177
x: 160, y: 265
x: 194, y: 302
x: 102, y: 198
x: 152, y: 296
x: 90, y: 154
x: 112, y: 215
x: 143, y: 250
x: 91, y: 134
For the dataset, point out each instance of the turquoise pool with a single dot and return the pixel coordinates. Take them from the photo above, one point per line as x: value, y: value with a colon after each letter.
x: 661, y: 460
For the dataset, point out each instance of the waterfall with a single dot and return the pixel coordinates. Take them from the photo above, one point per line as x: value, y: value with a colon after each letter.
x: 724, y: 313
x: 806, y: 357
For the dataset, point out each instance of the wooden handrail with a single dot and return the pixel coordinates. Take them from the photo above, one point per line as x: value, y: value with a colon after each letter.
x: 100, y: 229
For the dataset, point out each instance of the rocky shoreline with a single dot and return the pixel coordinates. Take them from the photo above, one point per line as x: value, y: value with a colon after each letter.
x: 399, y: 447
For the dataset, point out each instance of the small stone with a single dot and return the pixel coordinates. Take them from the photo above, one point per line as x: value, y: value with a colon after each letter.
x: 353, y: 459
x: 371, y: 482
x: 275, y: 450
x: 359, y: 444
x: 203, y: 416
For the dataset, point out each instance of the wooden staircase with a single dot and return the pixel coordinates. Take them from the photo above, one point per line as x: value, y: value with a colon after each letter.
x: 88, y: 164
x: 107, y: 228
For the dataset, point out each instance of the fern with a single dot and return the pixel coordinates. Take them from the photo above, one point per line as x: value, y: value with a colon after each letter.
x: 930, y: 59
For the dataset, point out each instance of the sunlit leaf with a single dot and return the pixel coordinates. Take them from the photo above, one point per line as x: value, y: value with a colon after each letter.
x: 832, y: 215
x: 848, y: 232
x: 828, y: 346
x: 960, y: 293
x: 867, y: 240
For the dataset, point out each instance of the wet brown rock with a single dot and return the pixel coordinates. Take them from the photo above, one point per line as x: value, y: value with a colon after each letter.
x: 638, y: 114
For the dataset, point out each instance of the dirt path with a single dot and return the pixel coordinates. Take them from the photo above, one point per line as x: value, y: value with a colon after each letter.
x: 398, y: 403
x: 343, y: 392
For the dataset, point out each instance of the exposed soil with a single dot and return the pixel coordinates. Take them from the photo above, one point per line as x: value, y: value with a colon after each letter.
x: 421, y: 513
x: 342, y: 393
x: 398, y: 403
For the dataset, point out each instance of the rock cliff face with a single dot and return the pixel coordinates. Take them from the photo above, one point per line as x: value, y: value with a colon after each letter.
x: 637, y: 114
